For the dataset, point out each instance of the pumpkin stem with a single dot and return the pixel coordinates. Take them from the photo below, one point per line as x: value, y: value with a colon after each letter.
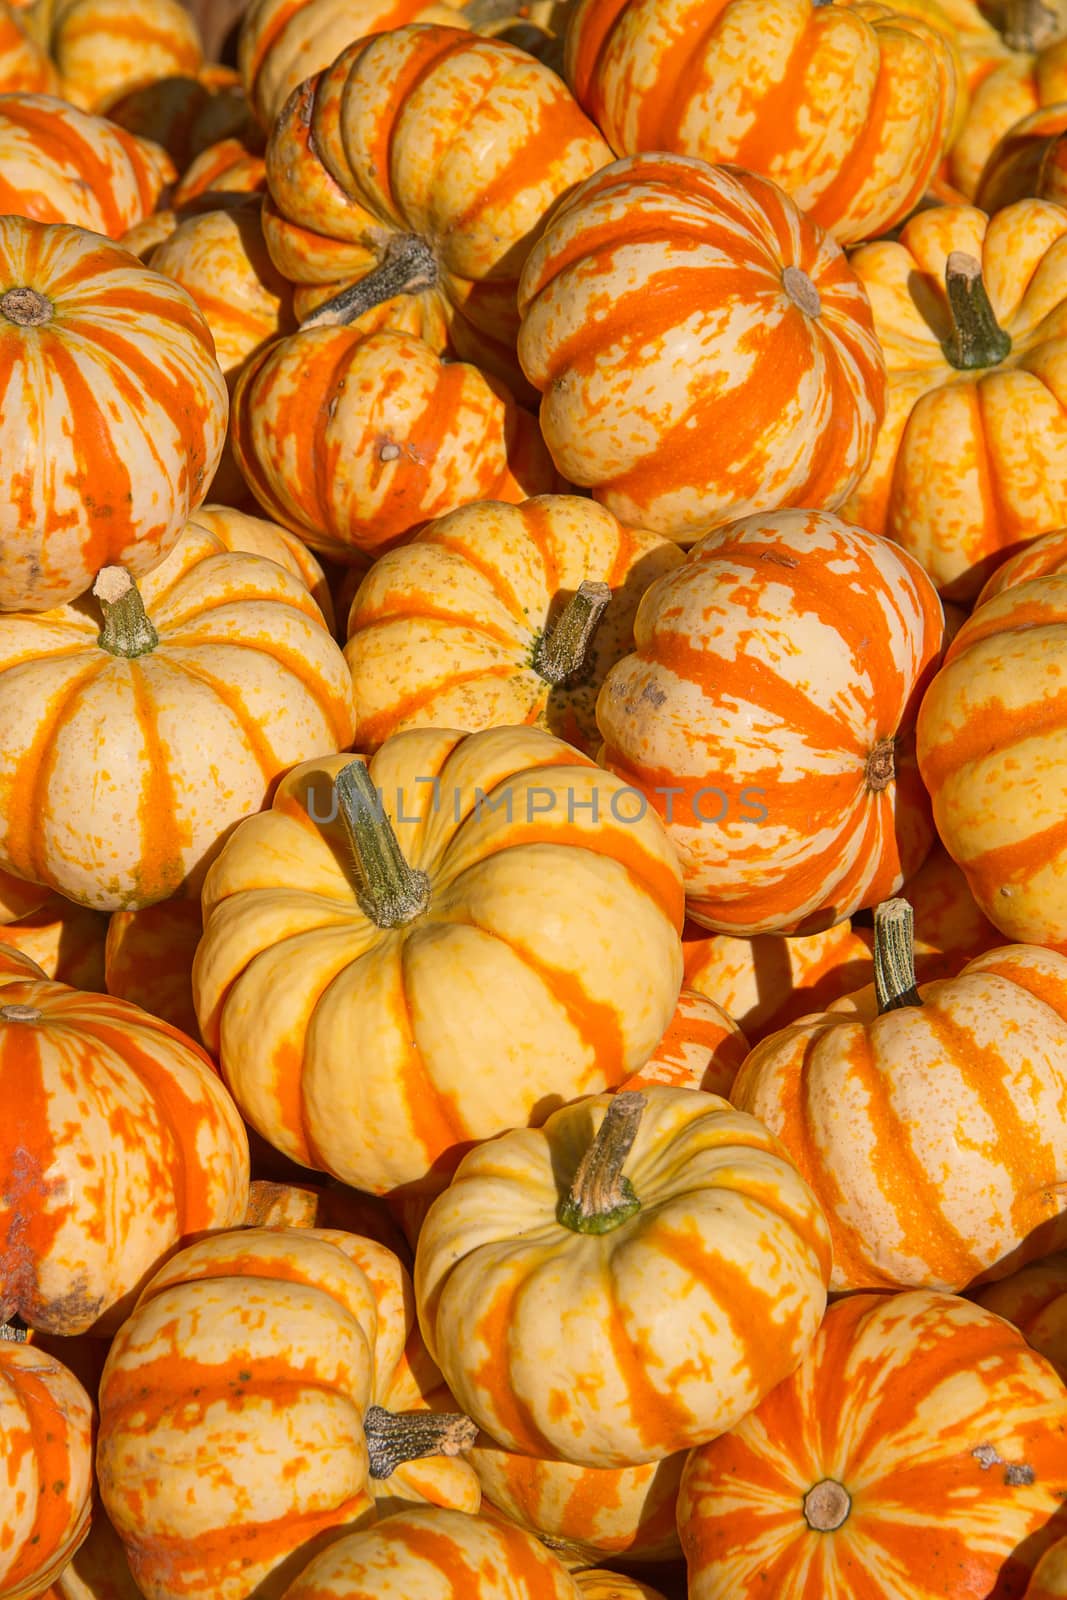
x: 127, y: 630
x: 801, y: 290
x: 894, y: 956
x: 26, y: 308
x: 600, y: 1198
x: 1031, y: 24
x: 11, y: 1335
x: 408, y: 266
x: 561, y: 649
x: 481, y: 14
x: 827, y: 1505
x: 392, y: 892
x: 395, y: 1437
x: 20, y: 1014
x: 881, y: 767
x: 977, y: 339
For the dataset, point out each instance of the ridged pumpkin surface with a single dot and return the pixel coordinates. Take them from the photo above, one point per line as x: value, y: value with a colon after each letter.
x: 352, y: 1047
x: 917, y: 1451
x: 103, y: 1099
x: 703, y: 350
x: 766, y: 713
x: 46, y: 1446
x: 703, y: 1048
x: 87, y: 332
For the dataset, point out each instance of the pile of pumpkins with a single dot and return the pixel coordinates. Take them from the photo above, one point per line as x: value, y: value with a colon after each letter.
x: 533, y: 801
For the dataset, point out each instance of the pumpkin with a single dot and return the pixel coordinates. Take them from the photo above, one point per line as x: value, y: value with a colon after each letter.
x: 219, y: 257
x: 766, y: 981
x: 988, y: 746
x: 1024, y: 82
x: 766, y: 713
x: 47, y: 1448
x: 623, y: 1282
x: 438, y: 1552
x: 120, y: 1144
x: 972, y: 459
x: 163, y: 727
x: 482, y: 139
x: 86, y: 331
x: 498, y: 877
x: 292, y: 1336
x: 24, y: 66
x: 499, y: 614
x: 702, y: 349
x: 228, y: 166
x: 917, y: 1450
x: 99, y: 1569
x: 702, y: 1048
x: 282, y: 42
x: 583, y: 1514
x: 304, y: 1205
x: 850, y: 109
x: 148, y: 959
x: 1049, y: 1580
x: 237, y: 531
x: 106, y: 48
x: 65, y: 940
x: 1039, y: 558
x: 950, y: 927
x: 60, y: 164
x: 930, y: 1123
x: 1034, y: 1299
x: 189, y: 113
x: 400, y: 436
x: 1015, y: 167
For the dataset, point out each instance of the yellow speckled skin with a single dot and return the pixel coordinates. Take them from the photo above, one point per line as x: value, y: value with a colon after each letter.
x: 969, y: 464
x: 547, y: 963
x: 120, y: 777
x: 848, y: 107
x: 626, y: 1346
x: 104, y: 48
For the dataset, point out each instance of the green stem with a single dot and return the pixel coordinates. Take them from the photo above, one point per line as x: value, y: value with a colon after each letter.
x: 408, y: 266
x: 394, y: 1437
x: 392, y: 892
x: 561, y: 649
x: 600, y: 1198
x: 127, y: 630
x: 977, y: 340
x: 894, y: 956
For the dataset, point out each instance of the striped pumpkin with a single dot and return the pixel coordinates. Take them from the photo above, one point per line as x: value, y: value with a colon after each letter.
x: 47, y: 1448
x: 584, y: 1513
x: 148, y: 959
x: 1022, y: 83
x: 767, y: 386
x: 766, y: 713
x: 256, y: 536
x: 99, y: 1570
x: 482, y: 141
x: 189, y: 113
x: 363, y: 1061
x: 1034, y: 1299
x: 65, y: 940
x: 1044, y: 557
x: 295, y: 1337
x: 443, y: 1553
x: 929, y: 1123
x: 399, y: 437
x: 479, y: 621
x: 849, y: 109
x: 989, y: 749
x: 24, y: 66
x: 103, y: 1100
x: 87, y: 332
x: 273, y: 1204
x: 141, y: 743
x: 61, y: 164
x: 974, y: 386
x: 229, y: 166
x: 703, y: 1048
x: 282, y: 42
x: 917, y: 1450
x: 105, y: 48
x: 544, y: 1272
x: 1015, y: 167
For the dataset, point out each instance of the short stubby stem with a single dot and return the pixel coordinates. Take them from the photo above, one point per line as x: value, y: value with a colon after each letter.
x: 394, y: 1437
x: 827, y: 1505
x: 881, y: 767
x: 408, y: 266
x: 562, y: 648
x: 127, y: 629
x: 600, y: 1198
x: 391, y: 892
x: 26, y: 308
x: 20, y: 1014
x: 802, y: 291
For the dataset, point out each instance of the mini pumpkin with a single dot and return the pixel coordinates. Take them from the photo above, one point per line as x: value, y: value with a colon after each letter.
x: 623, y: 1282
